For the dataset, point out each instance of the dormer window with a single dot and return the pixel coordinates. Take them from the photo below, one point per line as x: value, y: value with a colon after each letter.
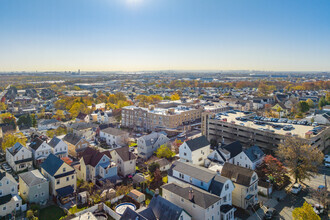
x: 64, y: 169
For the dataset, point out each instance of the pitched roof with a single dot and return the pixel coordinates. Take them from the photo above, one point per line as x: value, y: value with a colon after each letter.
x: 234, y: 148
x: 15, y: 149
x: 125, y: 154
x: 36, y: 143
x: 200, y: 197
x: 217, y: 184
x: 54, y: 141
x: 152, y: 138
x: 130, y: 214
x: 81, y: 116
x: 114, y: 131
x: 197, y: 143
x: 164, y: 209
x: 5, y: 199
x: 8, y: 175
x: 254, y: 153
x: 52, y: 164
x: 72, y: 138
x: 192, y: 170
x: 162, y: 162
x: 237, y: 174
x: 92, y: 157
x: 33, y: 177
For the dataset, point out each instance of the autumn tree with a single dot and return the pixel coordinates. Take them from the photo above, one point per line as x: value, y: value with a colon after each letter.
x: 175, y: 96
x: 153, y: 167
x: 300, y: 158
x: 321, y: 195
x: 164, y: 151
x: 322, y: 102
x: 59, y: 115
x: 305, y: 212
x: 303, y: 106
x: 310, y: 103
x: 273, y: 169
x: 3, y: 106
x: 10, y: 139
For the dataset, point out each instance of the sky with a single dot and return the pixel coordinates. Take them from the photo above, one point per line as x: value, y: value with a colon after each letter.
x: 134, y: 35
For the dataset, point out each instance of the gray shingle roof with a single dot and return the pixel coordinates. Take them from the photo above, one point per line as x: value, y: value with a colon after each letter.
x: 217, y: 184
x: 200, y: 197
x: 72, y: 138
x: 125, y: 154
x: 192, y: 170
x: 237, y: 174
x: 234, y: 148
x: 197, y: 143
x: 164, y: 209
x: 14, y: 149
x: 114, y: 131
x: 254, y: 153
x: 33, y: 177
x: 54, y: 141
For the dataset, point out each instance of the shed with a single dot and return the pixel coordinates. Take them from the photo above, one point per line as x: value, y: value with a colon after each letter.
x: 137, y: 196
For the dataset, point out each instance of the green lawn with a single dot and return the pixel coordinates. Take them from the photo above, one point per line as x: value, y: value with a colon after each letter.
x: 51, y: 213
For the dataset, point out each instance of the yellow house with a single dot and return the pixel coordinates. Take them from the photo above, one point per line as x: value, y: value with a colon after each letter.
x: 76, y: 144
x: 280, y: 109
x: 62, y: 177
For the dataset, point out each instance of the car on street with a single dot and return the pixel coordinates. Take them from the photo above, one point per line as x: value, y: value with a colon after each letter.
x: 270, y: 213
x: 296, y: 188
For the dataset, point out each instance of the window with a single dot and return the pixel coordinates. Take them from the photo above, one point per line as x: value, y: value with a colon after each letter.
x: 72, y: 177
x: 58, y: 182
x: 202, y: 183
x: 185, y: 154
x: 4, y: 208
x: 226, y: 186
x: 225, y: 199
x: 67, y: 179
x: 36, y: 195
x: 13, y: 189
x: 17, y: 205
x: 39, y: 186
x: 64, y: 169
x: 0, y: 192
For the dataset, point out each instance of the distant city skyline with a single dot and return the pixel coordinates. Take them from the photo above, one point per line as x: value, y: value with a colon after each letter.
x: 137, y: 35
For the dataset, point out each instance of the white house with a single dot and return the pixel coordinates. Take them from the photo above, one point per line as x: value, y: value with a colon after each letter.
x: 81, y: 117
x: 114, y: 137
x: 126, y: 160
x: 9, y: 198
x: 19, y: 157
x: 148, y: 144
x: 195, y: 151
x: 245, y: 180
x: 47, y: 124
x: 198, y: 203
x: 40, y: 150
x: 59, y: 147
x: 105, y: 117
x: 226, y: 153
x: 250, y: 158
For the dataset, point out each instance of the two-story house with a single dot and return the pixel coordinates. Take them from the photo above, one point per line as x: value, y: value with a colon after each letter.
x: 47, y: 124
x: 81, y: 117
x: 59, y: 147
x: 19, y: 157
x: 9, y: 198
x: 148, y: 144
x: 114, y: 137
x: 40, y: 150
x: 195, y: 150
x: 76, y: 144
x: 213, y: 182
x: 245, y: 180
x: 96, y: 166
x: 199, y: 203
x: 250, y: 158
x: 226, y: 153
x: 34, y: 187
x: 105, y: 117
x: 125, y: 159
x: 62, y: 177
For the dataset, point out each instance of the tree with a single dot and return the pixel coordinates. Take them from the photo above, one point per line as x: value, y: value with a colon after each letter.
x: 3, y: 106
x: 273, y: 169
x: 322, y: 102
x: 177, y: 143
x: 301, y: 159
x: 164, y: 151
x: 77, y: 108
x: 50, y: 133
x: 322, y: 196
x: 25, y: 120
x: 34, y: 120
x: 310, y: 103
x: 153, y: 167
x: 303, y: 106
x: 175, y: 96
x: 10, y: 139
x: 7, y: 118
x: 59, y: 115
x: 305, y: 212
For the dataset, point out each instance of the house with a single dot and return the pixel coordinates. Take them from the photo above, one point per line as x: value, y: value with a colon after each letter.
x: 76, y: 144
x: 148, y: 144
x: 198, y: 203
x: 126, y: 160
x: 59, y: 147
x: 158, y: 208
x: 114, y: 137
x: 195, y: 150
x: 281, y: 109
x: 34, y: 187
x: 81, y: 117
x: 40, y: 150
x: 47, y: 124
x: 226, y: 153
x: 164, y: 164
x: 210, y: 181
x: 62, y: 177
x: 9, y: 198
x: 250, y: 158
x: 96, y: 166
x: 321, y: 117
x: 105, y: 117
x: 19, y: 157
x: 87, y: 130
x: 245, y: 180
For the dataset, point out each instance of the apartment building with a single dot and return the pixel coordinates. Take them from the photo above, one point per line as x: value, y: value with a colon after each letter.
x: 152, y: 118
x: 227, y: 129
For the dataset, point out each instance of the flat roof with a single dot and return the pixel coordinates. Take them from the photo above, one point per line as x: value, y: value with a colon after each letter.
x: 299, y: 130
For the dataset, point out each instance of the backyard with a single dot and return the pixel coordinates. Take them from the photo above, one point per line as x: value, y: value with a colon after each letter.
x: 51, y: 213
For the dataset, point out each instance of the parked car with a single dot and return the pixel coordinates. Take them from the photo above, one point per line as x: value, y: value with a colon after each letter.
x: 318, y: 209
x: 270, y: 213
x: 181, y: 135
x: 315, y: 124
x: 296, y: 188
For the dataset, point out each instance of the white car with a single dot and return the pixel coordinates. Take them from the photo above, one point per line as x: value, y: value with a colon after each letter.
x: 296, y: 188
x: 181, y: 135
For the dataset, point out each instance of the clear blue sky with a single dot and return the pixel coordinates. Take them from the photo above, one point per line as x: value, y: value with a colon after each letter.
x: 164, y: 34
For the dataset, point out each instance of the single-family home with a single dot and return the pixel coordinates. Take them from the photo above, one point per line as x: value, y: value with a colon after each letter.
x: 9, y: 198
x: 245, y: 193
x: 19, y: 157
x: 62, y: 177
x: 148, y: 144
x: 47, y: 124
x: 250, y: 158
x: 164, y: 164
x: 34, y: 187
x: 195, y: 150
x: 198, y: 203
x: 114, y: 137
x: 59, y: 147
x: 40, y: 150
x: 125, y: 159
x: 81, y: 117
x: 226, y: 153
x: 96, y: 166
x: 76, y: 144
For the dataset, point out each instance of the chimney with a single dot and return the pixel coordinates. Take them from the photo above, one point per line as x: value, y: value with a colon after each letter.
x: 156, y: 192
x: 191, y: 194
